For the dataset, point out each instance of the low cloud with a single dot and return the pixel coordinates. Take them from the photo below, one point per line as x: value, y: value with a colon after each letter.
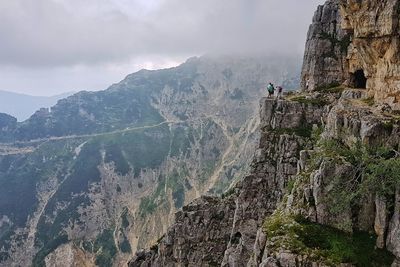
x: 53, y: 46
x: 43, y: 33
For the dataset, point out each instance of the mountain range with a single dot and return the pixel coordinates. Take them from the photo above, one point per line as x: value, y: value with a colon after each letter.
x: 100, y: 174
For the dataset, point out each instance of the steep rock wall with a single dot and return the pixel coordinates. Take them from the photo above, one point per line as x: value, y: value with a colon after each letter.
x: 231, y: 231
x: 243, y: 209
x: 375, y: 46
x: 326, y: 49
x: 351, y: 40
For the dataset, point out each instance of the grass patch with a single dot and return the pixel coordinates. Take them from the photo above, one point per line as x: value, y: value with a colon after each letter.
x: 304, y: 130
x: 38, y: 260
x: 370, y: 101
x: 105, y: 249
x: 228, y: 193
x: 332, y: 88
x: 375, y: 170
x: 323, y: 243
x: 319, y: 101
x: 290, y: 185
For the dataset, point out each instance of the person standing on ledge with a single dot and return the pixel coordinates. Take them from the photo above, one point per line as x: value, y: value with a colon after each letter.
x: 271, y: 90
x: 280, y: 90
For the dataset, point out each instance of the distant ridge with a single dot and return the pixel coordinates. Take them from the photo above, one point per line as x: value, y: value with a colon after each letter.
x: 22, y: 106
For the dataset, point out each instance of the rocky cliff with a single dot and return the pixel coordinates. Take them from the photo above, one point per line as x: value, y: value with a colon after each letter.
x: 355, y: 43
x: 295, y: 208
x: 324, y: 184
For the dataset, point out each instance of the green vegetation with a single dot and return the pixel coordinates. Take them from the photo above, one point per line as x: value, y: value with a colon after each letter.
x: 182, y: 139
x: 370, y: 101
x: 105, y: 249
x: 139, y: 149
x: 344, y: 43
x: 303, y: 130
x: 228, y: 192
x: 90, y: 112
x: 290, y: 185
x: 323, y: 243
x: 38, y: 260
x: 148, y: 204
x: 319, y: 101
x: 375, y: 170
x: 124, y: 218
x: 114, y: 154
x: 125, y: 246
x: 332, y: 88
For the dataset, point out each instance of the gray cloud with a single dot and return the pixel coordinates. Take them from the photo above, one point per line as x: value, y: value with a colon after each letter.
x: 59, y: 33
x: 94, y: 42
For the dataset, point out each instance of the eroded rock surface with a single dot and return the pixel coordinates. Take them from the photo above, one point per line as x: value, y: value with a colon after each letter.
x: 355, y: 43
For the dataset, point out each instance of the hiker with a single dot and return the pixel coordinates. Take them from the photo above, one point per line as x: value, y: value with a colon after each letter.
x: 271, y: 90
x: 280, y: 90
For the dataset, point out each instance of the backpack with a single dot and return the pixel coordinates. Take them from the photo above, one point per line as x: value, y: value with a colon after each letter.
x: 270, y: 88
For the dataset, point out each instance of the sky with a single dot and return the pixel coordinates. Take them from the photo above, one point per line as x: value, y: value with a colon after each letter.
x: 52, y: 46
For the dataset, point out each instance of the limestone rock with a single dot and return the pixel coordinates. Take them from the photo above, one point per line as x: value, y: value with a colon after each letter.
x: 326, y: 49
x: 355, y: 43
x: 393, y: 236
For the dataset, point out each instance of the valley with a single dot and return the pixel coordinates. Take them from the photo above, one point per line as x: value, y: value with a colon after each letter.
x: 100, y: 175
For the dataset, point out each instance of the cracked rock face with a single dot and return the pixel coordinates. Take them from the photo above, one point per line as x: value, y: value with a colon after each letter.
x: 375, y: 46
x: 351, y: 40
x: 325, y: 54
x: 238, y: 234
x: 201, y: 236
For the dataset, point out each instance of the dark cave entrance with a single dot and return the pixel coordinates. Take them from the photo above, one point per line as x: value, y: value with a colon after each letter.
x: 360, y: 81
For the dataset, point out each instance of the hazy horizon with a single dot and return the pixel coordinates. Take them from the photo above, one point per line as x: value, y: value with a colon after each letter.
x: 55, y: 46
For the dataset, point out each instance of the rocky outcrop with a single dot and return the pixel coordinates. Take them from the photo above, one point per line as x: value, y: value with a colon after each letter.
x: 285, y: 128
x: 374, y: 49
x: 252, y: 199
x: 325, y: 62
x: 199, y: 236
x: 284, y: 180
x: 355, y: 43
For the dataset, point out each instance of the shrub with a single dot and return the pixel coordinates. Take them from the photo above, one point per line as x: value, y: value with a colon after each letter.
x: 323, y: 243
x: 374, y: 171
x: 370, y: 101
x: 319, y: 101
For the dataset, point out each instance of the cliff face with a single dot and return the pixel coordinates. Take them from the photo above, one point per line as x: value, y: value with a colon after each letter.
x: 355, y: 43
x: 292, y: 196
x: 325, y: 55
x: 324, y: 185
x: 224, y: 230
x: 375, y: 49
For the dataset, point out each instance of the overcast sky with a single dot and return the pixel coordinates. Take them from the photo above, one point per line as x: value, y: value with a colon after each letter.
x: 53, y: 46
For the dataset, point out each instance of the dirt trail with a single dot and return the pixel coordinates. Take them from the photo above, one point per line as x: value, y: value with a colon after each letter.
x: 11, y: 149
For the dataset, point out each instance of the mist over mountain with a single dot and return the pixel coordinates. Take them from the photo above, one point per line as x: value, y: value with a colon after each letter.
x: 101, y: 174
x: 22, y: 106
x: 198, y: 161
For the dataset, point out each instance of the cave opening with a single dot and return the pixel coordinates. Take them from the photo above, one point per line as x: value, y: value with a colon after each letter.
x: 360, y: 81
